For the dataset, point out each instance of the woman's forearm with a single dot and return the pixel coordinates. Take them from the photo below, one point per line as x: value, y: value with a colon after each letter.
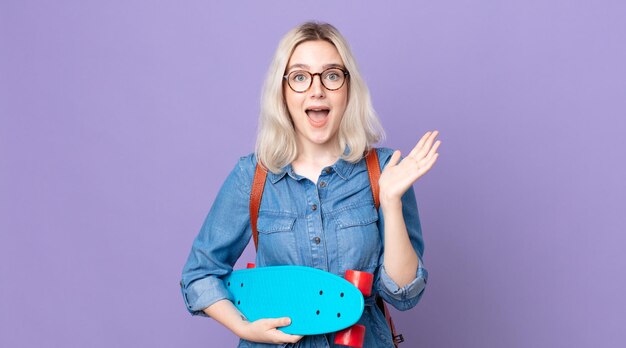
x: 261, y: 330
x: 401, y: 261
x: 228, y: 315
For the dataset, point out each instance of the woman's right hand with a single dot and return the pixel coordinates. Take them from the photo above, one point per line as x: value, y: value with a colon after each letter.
x: 265, y: 331
x: 262, y: 330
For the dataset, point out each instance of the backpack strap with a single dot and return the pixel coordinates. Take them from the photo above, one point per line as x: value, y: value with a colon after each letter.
x: 373, y: 171
x: 258, y: 184
x: 397, y: 338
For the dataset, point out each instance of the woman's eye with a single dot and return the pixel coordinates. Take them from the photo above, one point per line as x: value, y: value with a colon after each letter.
x: 299, y: 78
x: 332, y: 76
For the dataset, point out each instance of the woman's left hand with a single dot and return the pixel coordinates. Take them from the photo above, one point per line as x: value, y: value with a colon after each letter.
x: 396, y: 179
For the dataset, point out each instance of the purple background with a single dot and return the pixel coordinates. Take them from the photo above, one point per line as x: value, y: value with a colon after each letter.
x: 119, y: 120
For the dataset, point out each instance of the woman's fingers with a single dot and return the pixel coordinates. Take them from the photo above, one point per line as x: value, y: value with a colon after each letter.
x: 272, y: 323
x: 278, y: 336
x: 425, y: 160
x: 286, y: 338
x: 419, y: 144
x: 424, y: 145
x: 433, y: 150
x: 424, y: 138
x: 428, y: 164
x: 427, y: 145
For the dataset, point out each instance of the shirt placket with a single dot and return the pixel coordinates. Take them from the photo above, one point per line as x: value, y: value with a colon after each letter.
x: 315, y: 230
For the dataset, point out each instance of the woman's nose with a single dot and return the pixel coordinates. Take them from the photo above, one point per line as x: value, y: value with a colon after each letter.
x: 317, y: 89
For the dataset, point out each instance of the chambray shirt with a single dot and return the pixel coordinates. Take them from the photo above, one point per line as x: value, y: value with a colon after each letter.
x: 332, y: 225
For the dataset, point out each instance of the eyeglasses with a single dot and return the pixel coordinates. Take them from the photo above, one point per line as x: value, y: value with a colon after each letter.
x: 332, y: 79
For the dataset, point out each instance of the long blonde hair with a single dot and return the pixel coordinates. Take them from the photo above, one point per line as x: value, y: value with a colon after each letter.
x: 360, y: 128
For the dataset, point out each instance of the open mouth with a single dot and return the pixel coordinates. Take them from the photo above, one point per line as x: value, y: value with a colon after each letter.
x: 317, y: 115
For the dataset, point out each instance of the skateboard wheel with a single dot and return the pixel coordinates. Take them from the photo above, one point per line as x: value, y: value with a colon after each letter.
x: 250, y: 265
x: 351, y: 337
x: 362, y: 280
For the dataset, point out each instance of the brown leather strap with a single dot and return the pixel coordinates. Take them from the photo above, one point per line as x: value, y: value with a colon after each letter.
x: 258, y: 184
x: 373, y: 170
x: 396, y: 338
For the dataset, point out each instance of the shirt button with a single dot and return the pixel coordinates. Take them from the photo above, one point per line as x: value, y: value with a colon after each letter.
x: 323, y: 184
x: 317, y: 240
x: 327, y: 170
x: 314, y: 207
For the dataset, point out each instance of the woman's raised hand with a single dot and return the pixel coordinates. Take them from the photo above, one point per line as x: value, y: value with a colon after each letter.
x: 398, y: 175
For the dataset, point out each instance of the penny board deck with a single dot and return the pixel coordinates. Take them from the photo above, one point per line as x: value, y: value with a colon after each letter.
x: 317, y: 302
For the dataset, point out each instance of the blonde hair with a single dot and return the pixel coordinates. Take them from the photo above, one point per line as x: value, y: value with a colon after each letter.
x: 360, y: 128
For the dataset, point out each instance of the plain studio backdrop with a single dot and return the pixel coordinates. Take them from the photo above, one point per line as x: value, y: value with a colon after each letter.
x: 119, y: 121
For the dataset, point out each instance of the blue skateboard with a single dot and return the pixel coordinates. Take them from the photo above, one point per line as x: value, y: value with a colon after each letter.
x: 317, y: 302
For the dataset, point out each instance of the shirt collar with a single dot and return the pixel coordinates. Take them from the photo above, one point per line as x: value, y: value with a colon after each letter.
x: 275, y: 177
x: 341, y: 167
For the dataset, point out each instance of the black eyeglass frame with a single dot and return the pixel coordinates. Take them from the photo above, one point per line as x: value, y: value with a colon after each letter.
x: 346, y: 74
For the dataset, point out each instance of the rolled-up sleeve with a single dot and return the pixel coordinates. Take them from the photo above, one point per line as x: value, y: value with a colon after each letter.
x: 406, y: 297
x: 223, y: 237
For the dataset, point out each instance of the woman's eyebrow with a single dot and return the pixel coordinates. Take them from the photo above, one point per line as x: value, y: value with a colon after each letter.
x: 301, y: 66
x: 328, y: 66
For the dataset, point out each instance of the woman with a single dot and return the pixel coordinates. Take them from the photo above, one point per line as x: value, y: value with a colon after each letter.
x: 317, y: 209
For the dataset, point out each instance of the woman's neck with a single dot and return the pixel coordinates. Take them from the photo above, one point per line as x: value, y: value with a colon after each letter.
x: 312, y: 158
x: 318, y: 154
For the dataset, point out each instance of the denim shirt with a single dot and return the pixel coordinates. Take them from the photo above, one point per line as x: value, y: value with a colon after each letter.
x: 332, y: 225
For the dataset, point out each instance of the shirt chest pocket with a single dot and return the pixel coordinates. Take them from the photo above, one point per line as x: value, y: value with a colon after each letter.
x: 358, y: 239
x: 277, y: 242
x: 357, y: 216
x: 270, y: 222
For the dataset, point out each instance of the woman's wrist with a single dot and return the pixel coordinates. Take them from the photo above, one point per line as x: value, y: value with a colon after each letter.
x: 240, y: 327
x: 228, y: 315
x: 390, y: 202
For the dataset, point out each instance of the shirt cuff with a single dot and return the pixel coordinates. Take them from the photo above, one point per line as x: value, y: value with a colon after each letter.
x: 202, y: 293
x: 407, y: 296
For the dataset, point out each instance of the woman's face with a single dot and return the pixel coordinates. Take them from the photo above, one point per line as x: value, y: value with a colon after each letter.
x: 317, y: 112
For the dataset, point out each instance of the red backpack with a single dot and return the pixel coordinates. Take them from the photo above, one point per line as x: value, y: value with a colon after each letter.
x: 373, y: 170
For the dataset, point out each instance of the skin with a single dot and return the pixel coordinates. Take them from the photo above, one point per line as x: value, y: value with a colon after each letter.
x: 317, y: 149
